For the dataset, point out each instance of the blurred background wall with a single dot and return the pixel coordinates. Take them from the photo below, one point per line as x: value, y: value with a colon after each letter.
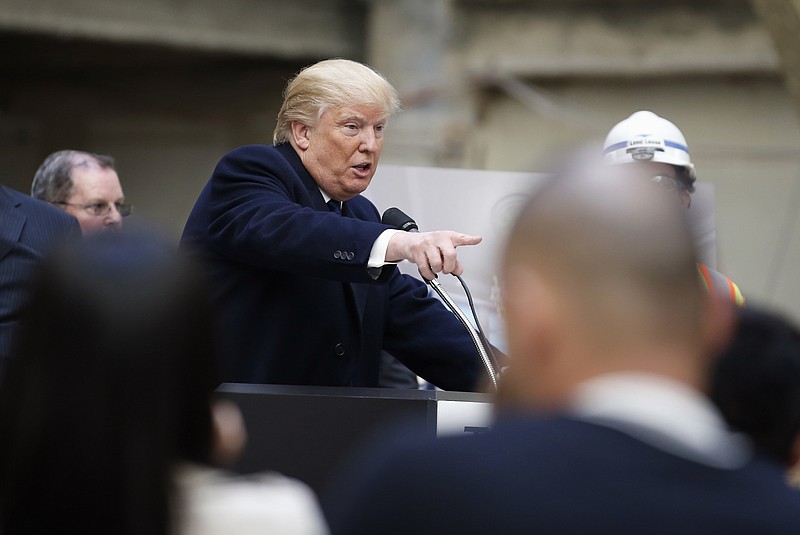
x: 168, y: 86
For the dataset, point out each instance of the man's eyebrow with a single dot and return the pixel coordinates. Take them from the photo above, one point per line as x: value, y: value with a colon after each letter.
x: 360, y: 119
x: 357, y: 118
x: 97, y: 200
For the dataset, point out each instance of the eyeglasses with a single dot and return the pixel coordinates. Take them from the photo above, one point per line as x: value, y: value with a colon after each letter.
x: 100, y: 209
x: 667, y: 182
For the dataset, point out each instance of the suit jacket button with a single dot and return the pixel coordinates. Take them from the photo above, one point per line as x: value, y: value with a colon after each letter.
x: 350, y: 256
x: 339, y: 349
x: 337, y: 254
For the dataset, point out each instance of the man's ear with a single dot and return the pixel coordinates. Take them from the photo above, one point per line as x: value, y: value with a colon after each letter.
x: 301, y: 134
x: 686, y: 198
x: 533, y: 313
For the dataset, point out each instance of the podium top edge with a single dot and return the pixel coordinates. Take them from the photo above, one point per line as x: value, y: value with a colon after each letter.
x: 352, y: 392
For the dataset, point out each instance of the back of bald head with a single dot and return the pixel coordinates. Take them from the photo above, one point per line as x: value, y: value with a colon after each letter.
x: 616, y: 249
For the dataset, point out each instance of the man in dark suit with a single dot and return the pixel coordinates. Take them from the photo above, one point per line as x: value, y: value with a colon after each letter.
x: 603, y: 427
x: 28, y: 229
x: 306, y: 289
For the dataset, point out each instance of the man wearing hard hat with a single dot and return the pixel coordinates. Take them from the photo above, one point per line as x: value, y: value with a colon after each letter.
x: 658, y: 146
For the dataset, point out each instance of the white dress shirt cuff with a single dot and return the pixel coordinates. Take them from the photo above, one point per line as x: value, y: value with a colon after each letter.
x: 377, y: 255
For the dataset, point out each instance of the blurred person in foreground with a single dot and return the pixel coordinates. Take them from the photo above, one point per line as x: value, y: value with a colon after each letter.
x: 84, y: 185
x: 658, y: 150
x: 756, y: 384
x: 108, y: 419
x: 302, y: 265
x: 602, y: 426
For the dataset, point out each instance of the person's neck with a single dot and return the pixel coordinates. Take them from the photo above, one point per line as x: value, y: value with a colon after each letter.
x: 671, y: 362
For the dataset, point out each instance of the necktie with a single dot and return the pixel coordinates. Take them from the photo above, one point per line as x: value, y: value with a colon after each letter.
x: 335, y: 206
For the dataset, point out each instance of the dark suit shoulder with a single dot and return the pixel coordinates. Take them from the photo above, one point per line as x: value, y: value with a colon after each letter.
x: 55, y: 220
x: 562, y: 476
x: 31, y: 205
x: 262, y: 164
x: 260, y: 156
x: 247, y: 151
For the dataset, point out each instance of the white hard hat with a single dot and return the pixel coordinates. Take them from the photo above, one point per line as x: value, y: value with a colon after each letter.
x: 644, y: 136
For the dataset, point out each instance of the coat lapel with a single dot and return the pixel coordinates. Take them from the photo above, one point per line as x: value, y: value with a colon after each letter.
x: 356, y: 292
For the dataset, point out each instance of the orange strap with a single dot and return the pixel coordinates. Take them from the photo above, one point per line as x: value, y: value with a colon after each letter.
x: 716, y: 281
x: 732, y: 290
x: 706, y: 277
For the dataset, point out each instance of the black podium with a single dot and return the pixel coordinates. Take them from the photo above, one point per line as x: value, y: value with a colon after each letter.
x: 307, y: 432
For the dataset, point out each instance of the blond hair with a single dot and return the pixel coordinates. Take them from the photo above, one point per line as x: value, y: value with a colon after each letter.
x: 332, y: 83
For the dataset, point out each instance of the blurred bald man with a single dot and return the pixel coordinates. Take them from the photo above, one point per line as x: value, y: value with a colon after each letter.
x: 604, y: 428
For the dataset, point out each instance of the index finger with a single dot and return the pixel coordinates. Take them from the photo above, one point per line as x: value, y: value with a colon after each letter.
x: 466, y: 239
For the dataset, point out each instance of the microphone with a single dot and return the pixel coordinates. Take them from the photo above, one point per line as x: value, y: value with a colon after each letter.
x: 400, y: 220
x: 395, y: 217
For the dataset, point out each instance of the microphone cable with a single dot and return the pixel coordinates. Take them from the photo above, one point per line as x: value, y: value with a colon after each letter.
x: 478, y: 326
x: 398, y: 219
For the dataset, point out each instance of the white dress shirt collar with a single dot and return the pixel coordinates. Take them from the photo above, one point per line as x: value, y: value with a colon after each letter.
x: 326, y: 197
x: 664, y: 413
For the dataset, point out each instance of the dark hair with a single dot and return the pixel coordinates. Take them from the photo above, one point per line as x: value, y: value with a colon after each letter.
x: 756, y: 382
x: 111, y: 385
x: 684, y: 177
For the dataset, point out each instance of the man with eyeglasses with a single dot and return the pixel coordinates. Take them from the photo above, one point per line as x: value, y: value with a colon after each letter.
x: 661, y: 153
x: 84, y: 185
